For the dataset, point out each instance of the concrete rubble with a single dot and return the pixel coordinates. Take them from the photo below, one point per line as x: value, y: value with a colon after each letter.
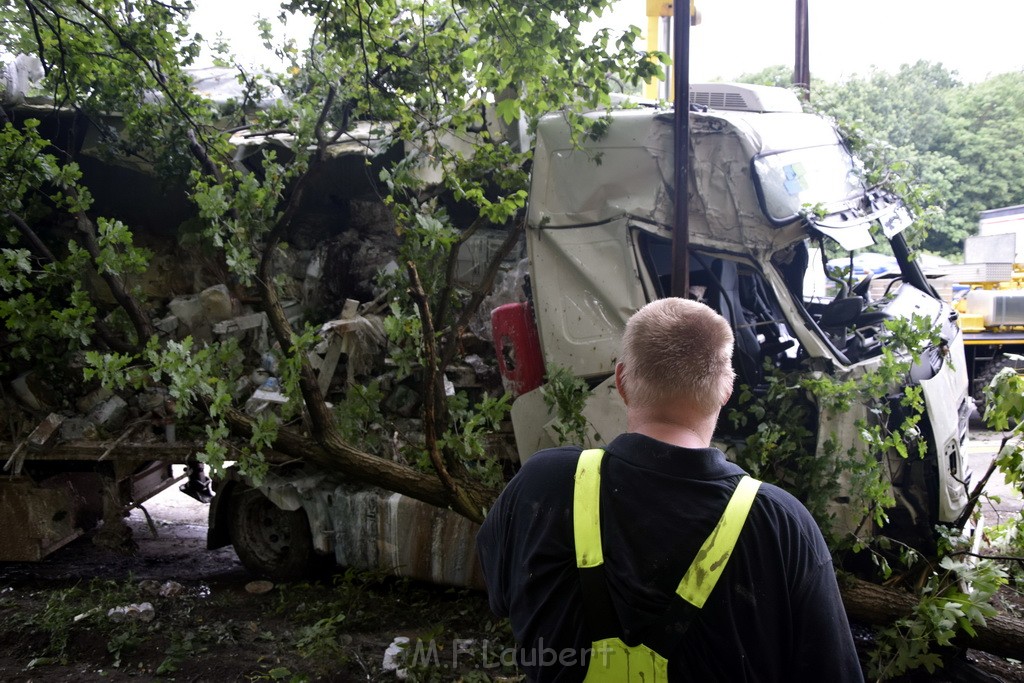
x: 318, y: 270
x: 326, y: 276
x: 260, y: 587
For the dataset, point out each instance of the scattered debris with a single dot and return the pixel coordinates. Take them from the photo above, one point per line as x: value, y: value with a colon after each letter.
x: 394, y: 657
x: 41, y: 661
x: 259, y: 587
x: 111, y: 414
x: 135, y: 612
x: 359, y: 338
x: 86, y: 615
x: 217, y: 304
x: 268, y: 393
x: 170, y: 589
x: 92, y: 400
x: 188, y: 310
x: 42, y: 437
x: 33, y: 391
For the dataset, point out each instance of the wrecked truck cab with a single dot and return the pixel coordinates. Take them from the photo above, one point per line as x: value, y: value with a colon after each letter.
x: 766, y: 190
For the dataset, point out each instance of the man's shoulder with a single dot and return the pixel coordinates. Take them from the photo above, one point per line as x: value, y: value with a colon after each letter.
x: 546, y: 476
x: 779, y: 496
x: 780, y: 502
x: 784, y: 514
x: 545, y: 481
x: 551, y: 460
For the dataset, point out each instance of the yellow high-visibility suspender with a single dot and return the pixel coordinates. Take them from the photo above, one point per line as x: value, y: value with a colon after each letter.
x: 586, y: 509
x: 704, y: 572
x: 612, y: 659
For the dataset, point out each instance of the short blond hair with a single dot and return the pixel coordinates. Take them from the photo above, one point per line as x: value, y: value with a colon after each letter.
x: 676, y: 349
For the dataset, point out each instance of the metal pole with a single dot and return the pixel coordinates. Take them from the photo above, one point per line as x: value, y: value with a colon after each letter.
x: 802, y: 62
x: 681, y: 147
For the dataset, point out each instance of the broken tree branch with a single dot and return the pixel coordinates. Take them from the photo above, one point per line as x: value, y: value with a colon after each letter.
x: 43, y: 253
x: 869, y: 603
x: 975, y: 496
x: 140, y: 320
x: 147, y: 64
x: 435, y: 411
x: 453, y: 261
x: 320, y: 416
x: 121, y: 439
x: 39, y: 248
x: 335, y: 455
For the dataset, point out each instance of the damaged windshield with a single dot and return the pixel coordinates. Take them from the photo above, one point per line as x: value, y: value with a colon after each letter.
x: 816, y: 176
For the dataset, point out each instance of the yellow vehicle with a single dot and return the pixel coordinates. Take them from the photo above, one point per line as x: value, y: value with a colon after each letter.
x: 989, y: 296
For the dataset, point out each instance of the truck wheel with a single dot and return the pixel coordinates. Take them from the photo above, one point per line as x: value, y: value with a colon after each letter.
x: 272, y: 542
x: 988, y: 373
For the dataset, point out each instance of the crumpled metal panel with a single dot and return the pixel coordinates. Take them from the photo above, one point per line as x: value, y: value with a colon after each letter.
x: 629, y: 172
x: 724, y: 208
x: 591, y: 287
x: 375, y: 530
x: 943, y: 395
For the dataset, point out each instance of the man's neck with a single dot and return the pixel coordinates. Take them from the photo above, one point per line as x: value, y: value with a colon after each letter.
x: 677, y: 436
x: 685, y: 433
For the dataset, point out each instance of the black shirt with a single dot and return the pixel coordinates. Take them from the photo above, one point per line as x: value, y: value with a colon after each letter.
x: 775, y: 615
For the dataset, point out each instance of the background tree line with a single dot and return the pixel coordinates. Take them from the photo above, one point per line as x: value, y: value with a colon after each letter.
x: 961, y: 144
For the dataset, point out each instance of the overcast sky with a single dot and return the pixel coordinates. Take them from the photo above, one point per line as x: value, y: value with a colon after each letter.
x: 977, y: 39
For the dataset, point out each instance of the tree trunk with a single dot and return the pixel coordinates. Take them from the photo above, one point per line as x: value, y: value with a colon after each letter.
x: 870, y: 603
x: 335, y: 455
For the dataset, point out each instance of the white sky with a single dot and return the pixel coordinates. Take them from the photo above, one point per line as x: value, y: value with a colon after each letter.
x: 976, y: 39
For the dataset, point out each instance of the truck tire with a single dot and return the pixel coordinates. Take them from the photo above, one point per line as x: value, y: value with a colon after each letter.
x: 271, y: 542
x: 988, y: 373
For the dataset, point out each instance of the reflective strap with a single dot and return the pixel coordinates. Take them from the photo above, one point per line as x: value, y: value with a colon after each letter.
x: 612, y: 661
x: 704, y: 572
x: 586, y: 509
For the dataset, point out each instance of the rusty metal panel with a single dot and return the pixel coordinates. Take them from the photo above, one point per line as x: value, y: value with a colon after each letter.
x: 34, y: 521
x: 428, y: 543
x: 150, y: 480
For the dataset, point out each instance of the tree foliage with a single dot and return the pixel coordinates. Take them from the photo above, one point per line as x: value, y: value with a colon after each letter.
x: 448, y: 86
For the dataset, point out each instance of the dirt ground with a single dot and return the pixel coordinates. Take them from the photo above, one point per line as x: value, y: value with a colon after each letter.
x: 207, y: 625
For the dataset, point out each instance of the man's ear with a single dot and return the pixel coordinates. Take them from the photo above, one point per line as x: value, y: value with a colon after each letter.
x: 728, y: 395
x: 620, y: 383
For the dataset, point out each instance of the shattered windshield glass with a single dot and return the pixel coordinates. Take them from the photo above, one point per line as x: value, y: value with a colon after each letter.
x: 813, y: 176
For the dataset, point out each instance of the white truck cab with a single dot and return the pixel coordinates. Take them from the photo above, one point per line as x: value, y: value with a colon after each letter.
x: 599, y: 241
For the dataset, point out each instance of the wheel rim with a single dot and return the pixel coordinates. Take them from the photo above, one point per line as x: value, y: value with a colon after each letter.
x: 264, y: 529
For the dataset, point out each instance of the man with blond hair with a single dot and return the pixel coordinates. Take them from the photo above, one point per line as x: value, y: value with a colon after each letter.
x: 655, y: 558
